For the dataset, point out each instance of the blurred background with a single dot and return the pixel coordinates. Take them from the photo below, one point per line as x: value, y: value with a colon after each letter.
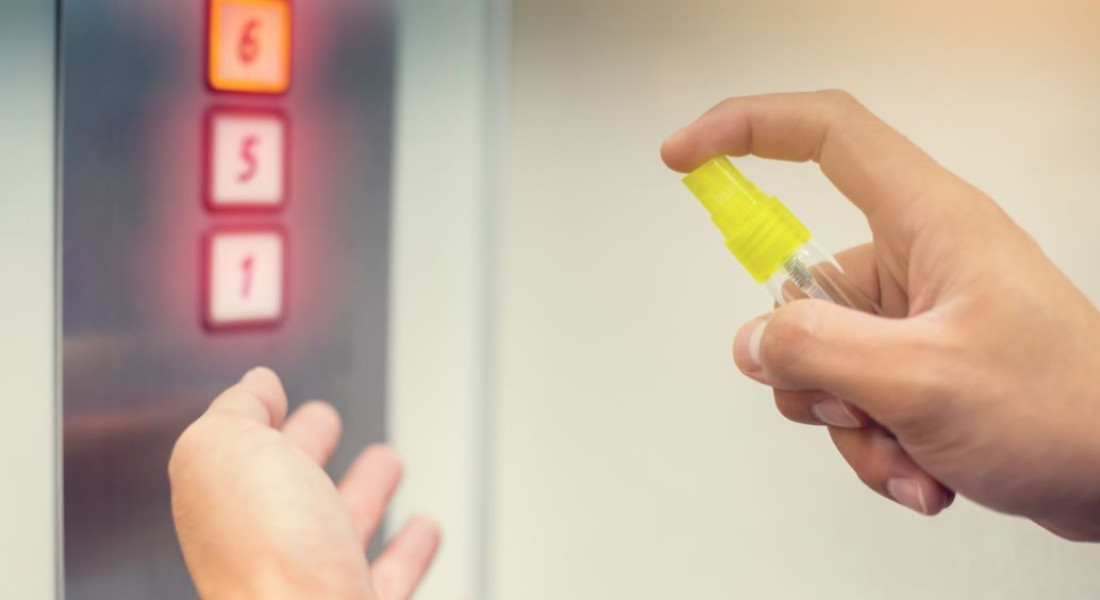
x: 493, y: 271
x: 625, y: 456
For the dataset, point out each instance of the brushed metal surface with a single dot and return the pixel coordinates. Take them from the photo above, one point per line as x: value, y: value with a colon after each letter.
x: 138, y: 364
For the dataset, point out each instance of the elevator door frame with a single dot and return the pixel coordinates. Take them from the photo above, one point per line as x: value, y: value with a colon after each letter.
x: 29, y: 551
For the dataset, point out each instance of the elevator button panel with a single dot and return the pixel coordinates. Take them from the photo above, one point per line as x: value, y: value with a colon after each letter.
x: 224, y: 198
x: 245, y: 278
x: 249, y: 46
x: 246, y: 160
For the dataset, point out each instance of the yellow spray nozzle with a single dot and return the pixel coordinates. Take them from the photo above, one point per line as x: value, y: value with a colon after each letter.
x: 759, y: 230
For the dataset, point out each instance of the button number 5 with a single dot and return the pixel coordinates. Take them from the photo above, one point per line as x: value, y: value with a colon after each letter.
x: 247, y: 162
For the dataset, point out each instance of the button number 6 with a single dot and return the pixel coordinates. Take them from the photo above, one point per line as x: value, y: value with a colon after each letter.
x: 249, y: 47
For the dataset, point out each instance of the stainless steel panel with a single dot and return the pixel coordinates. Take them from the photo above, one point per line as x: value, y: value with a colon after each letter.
x: 138, y: 363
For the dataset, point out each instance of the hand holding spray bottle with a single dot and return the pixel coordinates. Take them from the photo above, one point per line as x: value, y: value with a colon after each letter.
x: 769, y: 241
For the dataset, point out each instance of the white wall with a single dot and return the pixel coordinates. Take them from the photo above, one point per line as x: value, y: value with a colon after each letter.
x: 631, y: 460
x: 446, y: 95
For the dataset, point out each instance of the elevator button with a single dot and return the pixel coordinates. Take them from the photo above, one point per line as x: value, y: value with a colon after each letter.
x: 249, y: 46
x: 245, y: 280
x: 246, y: 160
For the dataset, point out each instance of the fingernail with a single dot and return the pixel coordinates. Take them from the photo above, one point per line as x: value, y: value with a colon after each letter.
x: 908, y: 493
x: 835, y: 413
x: 755, y: 340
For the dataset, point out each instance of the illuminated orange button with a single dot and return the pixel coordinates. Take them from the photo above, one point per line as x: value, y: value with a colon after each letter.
x: 249, y: 46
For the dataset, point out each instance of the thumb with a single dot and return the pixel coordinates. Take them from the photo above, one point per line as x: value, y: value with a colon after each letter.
x: 886, y: 367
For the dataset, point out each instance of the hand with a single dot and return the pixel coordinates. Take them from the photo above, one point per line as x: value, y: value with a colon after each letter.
x: 257, y: 517
x: 984, y: 367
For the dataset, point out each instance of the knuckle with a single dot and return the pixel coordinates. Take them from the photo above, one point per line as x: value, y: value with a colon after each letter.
x: 723, y: 106
x: 839, y: 98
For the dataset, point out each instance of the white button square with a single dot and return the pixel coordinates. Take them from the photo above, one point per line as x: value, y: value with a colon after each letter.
x: 247, y: 162
x: 246, y: 278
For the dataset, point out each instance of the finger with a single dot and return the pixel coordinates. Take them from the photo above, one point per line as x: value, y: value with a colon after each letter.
x: 883, y: 293
x: 819, y: 408
x: 1075, y: 531
x: 859, y: 268
x: 402, y: 565
x: 814, y: 345
x: 883, y: 465
x: 865, y: 158
x: 315, y: 429
x: 368, y: 486
x: 259, y: 396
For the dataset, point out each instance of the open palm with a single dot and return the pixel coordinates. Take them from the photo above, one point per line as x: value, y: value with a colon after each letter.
x: 257, y: 516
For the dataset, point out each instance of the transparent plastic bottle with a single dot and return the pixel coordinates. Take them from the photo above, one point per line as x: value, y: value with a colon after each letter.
x: 769, y: 241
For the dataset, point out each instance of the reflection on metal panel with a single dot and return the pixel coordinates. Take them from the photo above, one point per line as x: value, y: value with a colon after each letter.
x: 149, y: 319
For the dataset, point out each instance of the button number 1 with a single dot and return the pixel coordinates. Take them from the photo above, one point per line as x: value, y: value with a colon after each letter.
x: 245, y: 278
x: 246, y: 275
